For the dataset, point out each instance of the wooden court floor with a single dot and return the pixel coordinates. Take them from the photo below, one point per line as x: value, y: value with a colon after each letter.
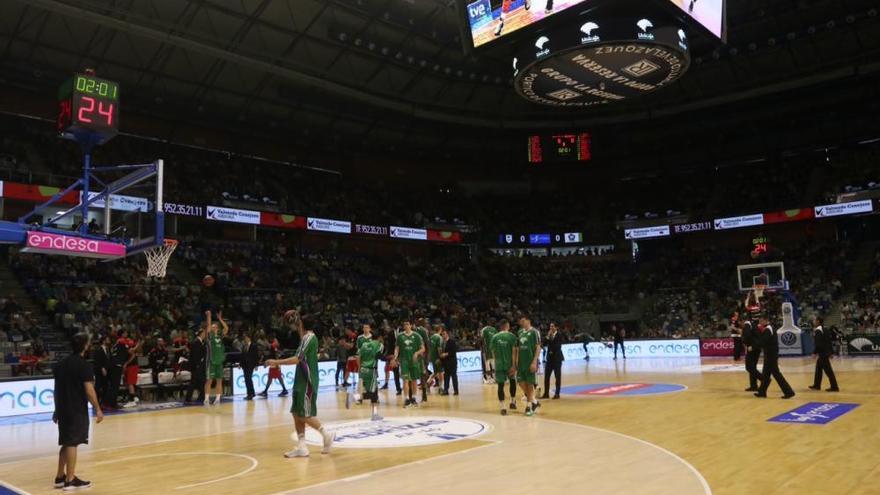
x: 710, y: 437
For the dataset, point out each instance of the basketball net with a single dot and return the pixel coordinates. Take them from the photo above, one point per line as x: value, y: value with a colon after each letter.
x: 158, y: 256
x: 758, y: 289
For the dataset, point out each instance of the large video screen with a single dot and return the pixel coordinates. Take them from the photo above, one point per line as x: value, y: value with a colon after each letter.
x: 709, y: 13
x: 493, y: 19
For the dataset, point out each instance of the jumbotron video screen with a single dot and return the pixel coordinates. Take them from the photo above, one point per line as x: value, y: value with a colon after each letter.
x: 490, y: 20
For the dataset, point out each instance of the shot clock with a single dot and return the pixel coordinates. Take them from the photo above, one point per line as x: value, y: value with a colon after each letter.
x: 88, y: 109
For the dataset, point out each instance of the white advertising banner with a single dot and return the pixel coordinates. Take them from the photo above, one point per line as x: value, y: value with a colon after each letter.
x: 839, y: 209
x: 329, y: 225
x: 409, y: 233
x: 223, y: 214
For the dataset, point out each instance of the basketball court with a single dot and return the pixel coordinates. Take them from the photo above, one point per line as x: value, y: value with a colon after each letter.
x: 703, y: 436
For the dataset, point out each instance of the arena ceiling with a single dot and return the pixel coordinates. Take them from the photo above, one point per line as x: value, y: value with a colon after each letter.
x: 393, y: 71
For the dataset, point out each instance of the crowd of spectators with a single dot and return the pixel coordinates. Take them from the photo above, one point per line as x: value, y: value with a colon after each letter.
x: 862, y: 313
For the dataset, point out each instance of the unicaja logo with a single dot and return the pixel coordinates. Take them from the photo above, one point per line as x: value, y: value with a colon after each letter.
x: 644, y: 26
x: 540, y: 44
x: 587, y: 30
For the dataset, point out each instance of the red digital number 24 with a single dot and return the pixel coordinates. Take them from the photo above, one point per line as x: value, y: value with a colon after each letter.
x: 88, y: 108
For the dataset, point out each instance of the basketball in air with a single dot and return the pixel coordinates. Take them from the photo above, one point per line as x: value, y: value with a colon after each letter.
x: 208, y: 281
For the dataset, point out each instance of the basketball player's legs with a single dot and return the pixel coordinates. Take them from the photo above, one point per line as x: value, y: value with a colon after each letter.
x: 527, y: 381
x: 304, y: 410
x: 370, y: 381
x: 500, y: 379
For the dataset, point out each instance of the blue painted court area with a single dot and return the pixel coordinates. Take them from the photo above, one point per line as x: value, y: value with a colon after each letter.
x: 622, y: 389
x: 815, y: 413
x: 4, y: 490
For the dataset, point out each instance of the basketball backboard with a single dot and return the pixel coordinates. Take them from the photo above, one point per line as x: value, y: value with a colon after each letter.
x: 771, y: 275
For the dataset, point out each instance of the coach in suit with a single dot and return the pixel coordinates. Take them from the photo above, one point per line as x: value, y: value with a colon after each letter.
x: 197, y: 354
x: 770, y: 346
x: 619, y: 334
x: 554, y: 360
x: 824, y: 350
x: 449, y: 357
x: 250, y: 358
x: 102, y: 366
x: 753, y: 352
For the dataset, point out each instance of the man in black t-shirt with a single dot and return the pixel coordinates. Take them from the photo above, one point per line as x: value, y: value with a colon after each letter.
x: 74, y: 389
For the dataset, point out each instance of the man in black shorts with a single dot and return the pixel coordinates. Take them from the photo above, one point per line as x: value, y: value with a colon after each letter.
x: 74, y: 387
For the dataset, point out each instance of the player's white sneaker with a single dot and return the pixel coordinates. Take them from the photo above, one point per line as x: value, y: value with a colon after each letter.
x: 297, y: 453
x: 129, y: 405
x: 329, y: 436
x: 376, y: 417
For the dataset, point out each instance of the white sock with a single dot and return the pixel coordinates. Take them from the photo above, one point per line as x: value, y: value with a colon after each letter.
x: 501, y: 404
x: 375, y: 409
x: 301, y: 442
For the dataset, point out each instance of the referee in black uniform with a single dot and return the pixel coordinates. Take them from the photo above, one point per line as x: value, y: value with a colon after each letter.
x: 770, y: 346
x: 823, y: 351
x: 74, y: 389
x: 753, y: 352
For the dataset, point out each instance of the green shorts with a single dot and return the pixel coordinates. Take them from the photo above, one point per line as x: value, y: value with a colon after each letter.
x: 502, y: 377
x: 437, y: 365
x: 411, y: 370
x: 526, y: 376
x: 368, y: 378
x: 305, y: 402
x: 215, y: 371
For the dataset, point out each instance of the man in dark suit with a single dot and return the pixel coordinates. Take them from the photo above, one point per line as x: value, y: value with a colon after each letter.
x: 250, y: 358
x: 118, y: 357
x: 449, y: 356
x: 753, y: 352
x: 770, y: 346
x: 197, y: 354
x: 619, y: 334
x: 102, y: 366
x: 823, y: 351
x: 554, y: 358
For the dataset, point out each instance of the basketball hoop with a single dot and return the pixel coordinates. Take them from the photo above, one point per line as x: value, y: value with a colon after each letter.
x: 759, y: 289
x: 158, y: 256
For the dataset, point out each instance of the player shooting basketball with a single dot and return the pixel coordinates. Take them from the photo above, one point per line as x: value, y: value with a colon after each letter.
x: 216, y: 357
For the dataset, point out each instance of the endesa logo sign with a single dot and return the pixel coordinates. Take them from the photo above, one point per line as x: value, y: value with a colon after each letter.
x: 222, y: 214
x: 637, y: 349
x: 27, y: 397
x: 329, y: 225
x: 841, y: 209
x: 409, y: 233
x: 647, y: 232
x: 46, y: 243
x: 716, y: 347
x: 737, y: 222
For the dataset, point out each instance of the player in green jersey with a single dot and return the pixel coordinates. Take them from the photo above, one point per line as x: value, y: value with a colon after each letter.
x: 422, y: 330
x: 435, y: 347
x: 408, y: 352
x: 486, y: 334
x: 215, y: 358
x: 503, y: 347
x: 305, y: 385
x: 528, y: 351
x: 365, y: 336
x: 369, y: 352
